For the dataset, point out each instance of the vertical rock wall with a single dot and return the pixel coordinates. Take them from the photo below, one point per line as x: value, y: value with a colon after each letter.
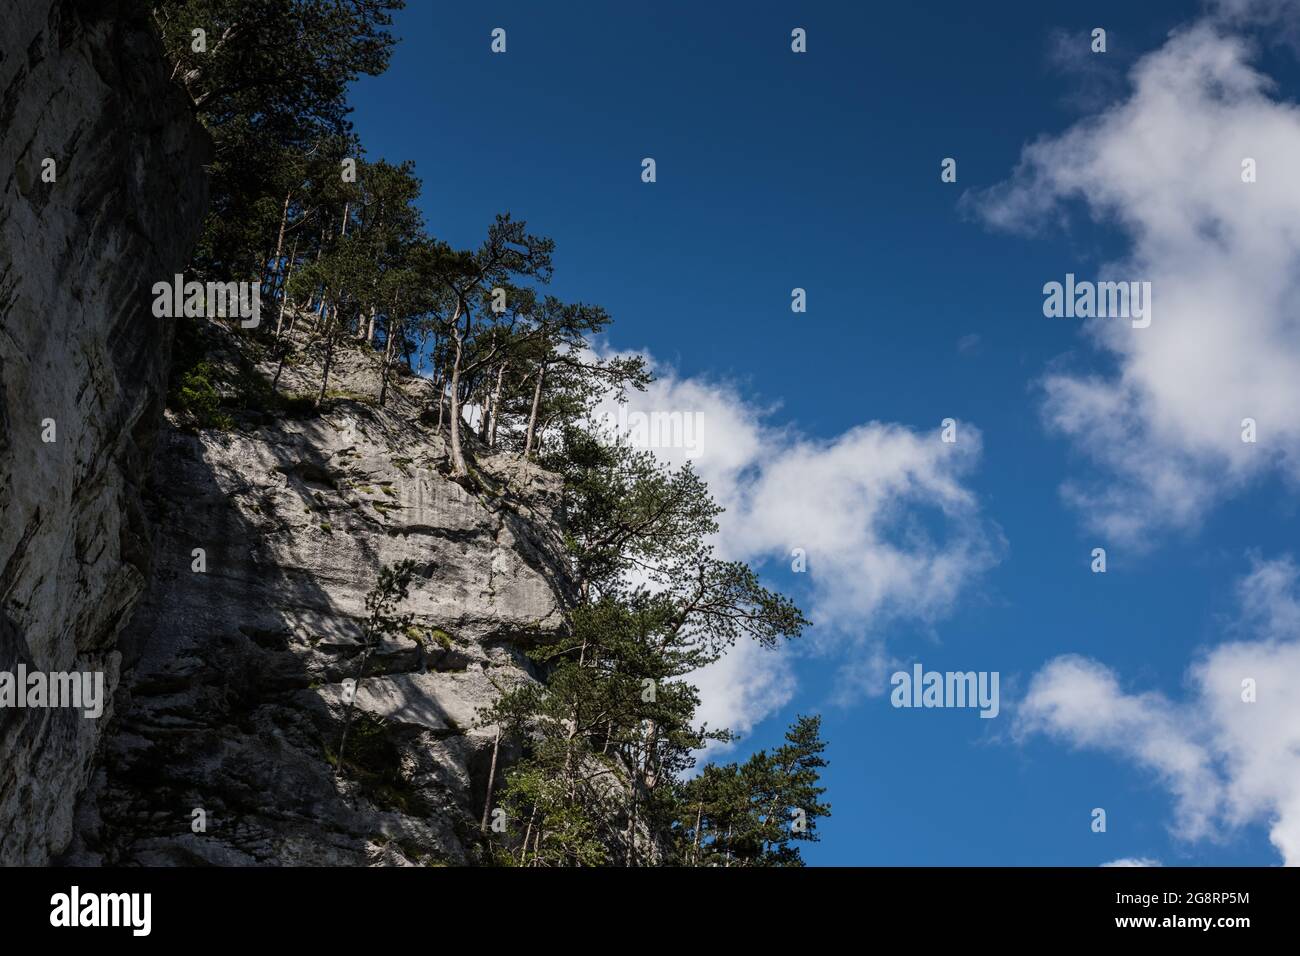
x: 84, y: 84
x: 224, y: 743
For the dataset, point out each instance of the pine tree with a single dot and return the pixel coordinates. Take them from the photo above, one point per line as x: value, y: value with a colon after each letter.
x: 268, y: 78
x: 391, y: 588
x: 612, y: 725
x: 509, y: 253
x: 751, y: 814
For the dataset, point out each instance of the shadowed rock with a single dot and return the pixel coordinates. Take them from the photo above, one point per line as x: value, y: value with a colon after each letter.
x: 82, y: 84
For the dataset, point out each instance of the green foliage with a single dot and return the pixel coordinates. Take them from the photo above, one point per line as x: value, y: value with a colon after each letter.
x: 750, y: 814
x: 374, y: 763
x: 611, y: 731
x: 558, y: 832
x: 210, y: 390
x: 198, y: 397
x: 270, y: 84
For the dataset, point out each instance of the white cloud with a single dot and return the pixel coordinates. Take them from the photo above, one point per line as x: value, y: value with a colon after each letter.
x: 1081, y: 700
x: 745, y: 686
x: 889, y: 528
x: 1133, y: 861
x: 1164, y: 165
x: 1227, y: 762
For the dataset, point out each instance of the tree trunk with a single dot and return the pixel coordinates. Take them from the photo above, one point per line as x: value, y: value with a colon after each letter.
x: 329, y: 358
x: 279, y: 242
x: 523, y: 851
x: 631, y: 832
x: 284, y: 289
x: 496, y: 405
x: 458, y: 467
x: 485, y: 400
x: 695, y: 849
x: 388, y: 359
x: 532, y: 418
x: 279, y: 367
x: 347, y: 717
x: 492, y: 776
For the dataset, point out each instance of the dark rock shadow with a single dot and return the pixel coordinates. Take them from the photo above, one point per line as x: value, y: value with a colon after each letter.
x: 227, y: 713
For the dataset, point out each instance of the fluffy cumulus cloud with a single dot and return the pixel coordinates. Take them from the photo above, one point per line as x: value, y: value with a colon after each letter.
x: 1162, y: 422
x: 743, y: 687
x: 882, y: 513
x: 1228, y: 761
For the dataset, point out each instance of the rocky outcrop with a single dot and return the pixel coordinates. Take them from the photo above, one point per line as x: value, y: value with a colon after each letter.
x: 217, y: 576
x: 82, y: 362
x: 229, y: 720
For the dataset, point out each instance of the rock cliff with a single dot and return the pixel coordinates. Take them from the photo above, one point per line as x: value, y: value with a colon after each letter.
x: 232, y: 700
x: 103, y: 194
x: 217, y: 576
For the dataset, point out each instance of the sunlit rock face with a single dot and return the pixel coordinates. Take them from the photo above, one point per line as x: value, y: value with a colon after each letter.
x: 223, y: 748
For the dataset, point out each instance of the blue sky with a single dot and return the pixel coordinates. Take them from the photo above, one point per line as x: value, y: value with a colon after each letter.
x: 821, y: 171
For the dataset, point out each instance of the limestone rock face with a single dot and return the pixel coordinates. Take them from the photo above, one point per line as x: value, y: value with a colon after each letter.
x: 83, y: 84
x: 217, y: 576
x: 233, y: 694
